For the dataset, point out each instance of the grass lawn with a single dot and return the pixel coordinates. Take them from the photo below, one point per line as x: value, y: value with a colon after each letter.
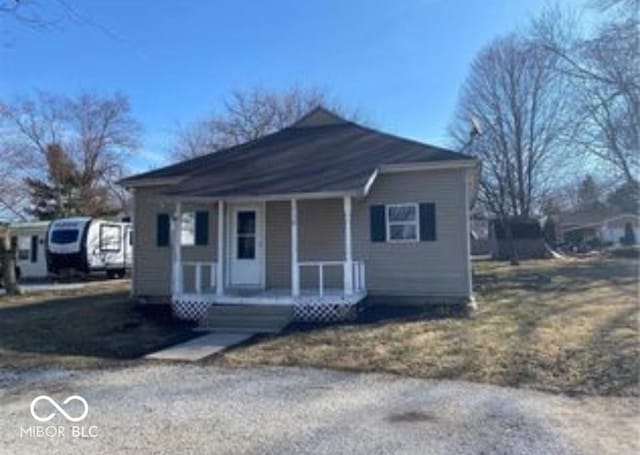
x: 560, y: 325
x: 94, y: 326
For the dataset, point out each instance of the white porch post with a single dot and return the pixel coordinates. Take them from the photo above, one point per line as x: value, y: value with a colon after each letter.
x: 177, y: 249
x: 295, y: 270
x: 348, y: 252
x: 220, y: 264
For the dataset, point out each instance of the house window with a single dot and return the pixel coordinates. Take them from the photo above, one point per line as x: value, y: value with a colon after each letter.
x: 402, y: 223
x: 188, y: 229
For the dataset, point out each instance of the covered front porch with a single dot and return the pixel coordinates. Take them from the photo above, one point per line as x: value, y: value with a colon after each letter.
x: 255, y: 259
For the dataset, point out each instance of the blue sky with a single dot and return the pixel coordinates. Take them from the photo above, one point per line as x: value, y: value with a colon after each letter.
x: 400, y: 63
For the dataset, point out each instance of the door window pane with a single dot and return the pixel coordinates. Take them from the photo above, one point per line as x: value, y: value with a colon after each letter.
x: 246, y: 247
x: 246, y: 222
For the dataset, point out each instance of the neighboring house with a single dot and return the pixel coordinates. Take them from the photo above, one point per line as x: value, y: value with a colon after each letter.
x: 606, y: 225
x: 316, y: 216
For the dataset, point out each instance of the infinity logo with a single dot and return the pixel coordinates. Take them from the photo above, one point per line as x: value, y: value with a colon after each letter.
x: 58, y: 408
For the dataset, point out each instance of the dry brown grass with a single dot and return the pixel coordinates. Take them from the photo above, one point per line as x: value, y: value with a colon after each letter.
x: 95, y: 326
x: 561, y: 325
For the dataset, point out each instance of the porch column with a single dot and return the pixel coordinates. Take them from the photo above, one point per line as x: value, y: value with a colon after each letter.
x: 295, y: 270
x: 176, y: 246
x: 348, y: 252
x: 220, y: 264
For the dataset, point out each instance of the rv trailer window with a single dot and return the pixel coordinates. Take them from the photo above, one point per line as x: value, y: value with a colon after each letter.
x: 110, y: 235
x: 64, y: 236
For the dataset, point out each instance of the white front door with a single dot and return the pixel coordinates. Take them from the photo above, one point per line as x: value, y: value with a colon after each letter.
x: 247, y: 245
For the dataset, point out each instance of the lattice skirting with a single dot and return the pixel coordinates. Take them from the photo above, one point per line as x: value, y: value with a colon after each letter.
x: 323, y: 312
x: 306, y: 308
x: 192, y: 310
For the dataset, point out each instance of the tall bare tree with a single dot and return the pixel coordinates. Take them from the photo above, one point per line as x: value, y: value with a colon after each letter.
x: 517, y: 98
x: 248, y: 115
x: 96, y: 134
x: 604, y: 69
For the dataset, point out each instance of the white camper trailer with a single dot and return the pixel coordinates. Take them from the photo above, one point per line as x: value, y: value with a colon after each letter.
x: 28, y: 240
x: 83, y: 245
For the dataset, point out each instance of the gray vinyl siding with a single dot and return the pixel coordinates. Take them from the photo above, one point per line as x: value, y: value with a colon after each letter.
x: 152, y: 264
x: 438, y: 268
x: 320, y: 238
x: 278, y: 244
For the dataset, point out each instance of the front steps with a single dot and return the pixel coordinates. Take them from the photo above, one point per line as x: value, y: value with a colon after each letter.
x: 247, y: 318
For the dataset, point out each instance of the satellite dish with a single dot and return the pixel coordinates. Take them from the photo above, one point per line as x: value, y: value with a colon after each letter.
x: 476, y: 126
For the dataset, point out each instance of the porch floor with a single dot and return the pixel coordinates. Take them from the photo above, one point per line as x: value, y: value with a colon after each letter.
x: 277, y: 296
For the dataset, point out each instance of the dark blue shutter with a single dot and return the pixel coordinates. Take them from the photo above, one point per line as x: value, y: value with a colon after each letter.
x: 34, y: 248
x: 428, y: 221
x: 163, y: 229
x: 202, y: 228
x: 378, y: 227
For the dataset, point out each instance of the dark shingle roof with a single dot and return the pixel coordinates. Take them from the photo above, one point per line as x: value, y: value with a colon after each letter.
x: 590, y: 217
x: 330, y: 154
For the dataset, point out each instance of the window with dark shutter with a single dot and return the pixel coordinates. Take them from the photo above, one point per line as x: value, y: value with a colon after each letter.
x: 202, y: 228
x: 427, y: 222
x: 377, y: 222
x: 163, y: 229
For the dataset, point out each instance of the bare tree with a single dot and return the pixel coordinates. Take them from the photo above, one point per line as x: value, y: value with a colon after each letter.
x: 248, y: 115
x: 517, y: 98
x: 604, y: 70
x: 95, y: 132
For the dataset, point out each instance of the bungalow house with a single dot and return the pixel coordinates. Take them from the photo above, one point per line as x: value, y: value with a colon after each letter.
x: 313, y: 218
x: 599, y: 224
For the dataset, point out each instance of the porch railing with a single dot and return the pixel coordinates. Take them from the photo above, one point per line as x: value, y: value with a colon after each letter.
x: 358, y: 273
x: 201, y: 270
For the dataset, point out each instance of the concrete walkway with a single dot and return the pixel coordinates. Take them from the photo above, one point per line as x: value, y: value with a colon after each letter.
x: 200, y: 347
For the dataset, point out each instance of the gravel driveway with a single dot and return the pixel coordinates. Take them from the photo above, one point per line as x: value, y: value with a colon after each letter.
x: 177, y: 408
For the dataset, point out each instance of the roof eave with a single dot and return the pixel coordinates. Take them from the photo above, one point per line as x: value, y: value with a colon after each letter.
x: 267, y: 197
x: 428, y: 166
x: 150, y: 181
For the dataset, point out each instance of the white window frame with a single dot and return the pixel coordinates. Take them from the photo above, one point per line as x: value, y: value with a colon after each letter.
x: 183, y: 231
x: 415, y: 222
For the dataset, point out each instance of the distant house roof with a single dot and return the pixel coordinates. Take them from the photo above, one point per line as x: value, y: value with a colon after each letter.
x: 590, y: 218
x: 320, y: 153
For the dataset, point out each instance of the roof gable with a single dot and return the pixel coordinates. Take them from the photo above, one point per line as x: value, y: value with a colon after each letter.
x: 319, y: 116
